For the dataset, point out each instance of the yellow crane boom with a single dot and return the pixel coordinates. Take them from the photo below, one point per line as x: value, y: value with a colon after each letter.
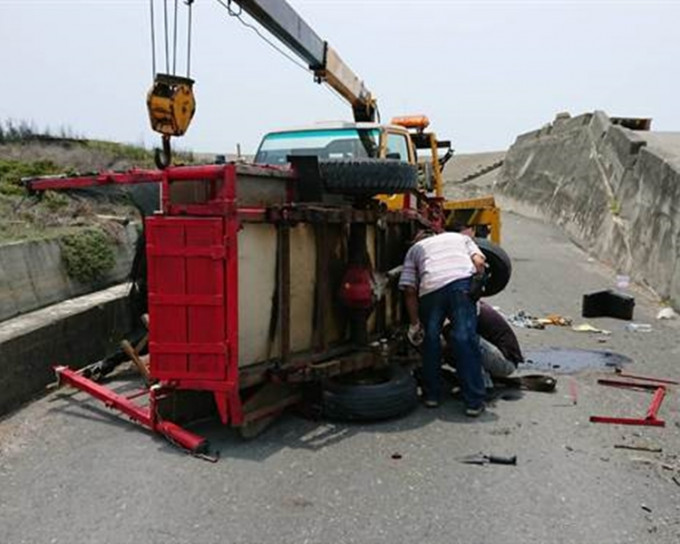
x: 171, y: 104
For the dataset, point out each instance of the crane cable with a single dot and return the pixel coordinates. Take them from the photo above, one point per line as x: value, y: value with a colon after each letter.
x: 238, y: 15
x: 166, y: 35
x: 174, y: 42
x: 153, y: 42
x: 167, y: 45
x: 189, y: 4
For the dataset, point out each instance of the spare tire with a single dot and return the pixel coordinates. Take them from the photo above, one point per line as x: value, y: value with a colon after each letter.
x: 368, y: 176
x: 370, y: 395
x: 499, y: 269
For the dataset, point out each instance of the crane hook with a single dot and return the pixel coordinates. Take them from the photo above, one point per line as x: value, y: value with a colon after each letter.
x: 163, y: 157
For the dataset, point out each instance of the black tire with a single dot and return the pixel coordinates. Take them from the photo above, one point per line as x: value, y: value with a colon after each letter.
x: 500, y: 266
x: 368, y: 176
x: 393, y: 394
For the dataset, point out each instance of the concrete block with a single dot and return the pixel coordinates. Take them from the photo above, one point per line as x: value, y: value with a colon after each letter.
x: 573, y: 123
x: 527, y: 137
x: 76, y: 332
x: 625, y: 143
x: 599, y: 124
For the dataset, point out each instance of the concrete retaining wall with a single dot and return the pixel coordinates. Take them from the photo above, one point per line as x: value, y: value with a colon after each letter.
x: 614, y: 190
x: 76, y: 332
x: 32, y: 275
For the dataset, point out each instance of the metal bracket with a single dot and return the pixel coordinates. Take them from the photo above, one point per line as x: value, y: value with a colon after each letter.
x: 650, y: 418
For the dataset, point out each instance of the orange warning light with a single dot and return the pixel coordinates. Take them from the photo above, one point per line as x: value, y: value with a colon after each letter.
x: 421, y: 122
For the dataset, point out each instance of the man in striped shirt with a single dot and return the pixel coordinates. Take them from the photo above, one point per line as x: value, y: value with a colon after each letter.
x: 436, y: 280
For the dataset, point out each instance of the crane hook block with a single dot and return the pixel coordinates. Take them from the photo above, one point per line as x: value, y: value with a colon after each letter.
x: 171, y: 104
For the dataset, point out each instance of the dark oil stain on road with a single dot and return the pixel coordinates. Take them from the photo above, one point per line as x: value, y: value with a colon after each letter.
x: 569, y: 360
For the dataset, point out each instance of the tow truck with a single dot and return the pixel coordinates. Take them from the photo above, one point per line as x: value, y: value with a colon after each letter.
x: 272, y: 281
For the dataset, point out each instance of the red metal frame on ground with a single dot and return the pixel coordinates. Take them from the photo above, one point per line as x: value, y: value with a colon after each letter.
x: 650, y: 418
x: 146, y: 416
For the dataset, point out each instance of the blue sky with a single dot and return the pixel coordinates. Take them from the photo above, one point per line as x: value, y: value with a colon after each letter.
x: 483, y: 72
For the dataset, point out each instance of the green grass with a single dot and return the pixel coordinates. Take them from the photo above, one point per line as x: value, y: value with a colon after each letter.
x: 143, y: 157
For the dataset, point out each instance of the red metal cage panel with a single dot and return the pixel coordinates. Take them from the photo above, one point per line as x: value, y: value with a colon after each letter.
x: 186, y: 260
x: 192, y: 323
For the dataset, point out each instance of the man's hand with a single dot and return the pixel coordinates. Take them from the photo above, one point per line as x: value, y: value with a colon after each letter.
x: 477, y: 285
x: 416, y: 334
x: 479, y: 261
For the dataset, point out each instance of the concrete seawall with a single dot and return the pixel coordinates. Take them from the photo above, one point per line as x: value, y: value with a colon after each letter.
x: 615, y: 191
x: 32, y: 274
x: 75, y: 333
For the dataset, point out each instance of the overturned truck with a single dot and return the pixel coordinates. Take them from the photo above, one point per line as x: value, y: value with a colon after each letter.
x: 266, y: 282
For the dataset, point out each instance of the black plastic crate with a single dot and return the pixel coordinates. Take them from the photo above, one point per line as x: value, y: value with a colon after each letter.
x: 608, y: 303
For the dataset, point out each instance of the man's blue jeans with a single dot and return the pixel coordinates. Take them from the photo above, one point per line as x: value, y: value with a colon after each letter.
x: 452, y: 301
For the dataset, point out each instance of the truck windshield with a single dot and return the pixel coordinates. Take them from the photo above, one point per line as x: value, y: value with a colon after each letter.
x: 343, y: 143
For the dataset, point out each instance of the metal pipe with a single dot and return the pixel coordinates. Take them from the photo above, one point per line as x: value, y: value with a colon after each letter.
x: 108, y: 397
x: 657, y: 399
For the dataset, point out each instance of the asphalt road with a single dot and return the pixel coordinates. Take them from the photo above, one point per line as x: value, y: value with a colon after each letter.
x: 72, y: 472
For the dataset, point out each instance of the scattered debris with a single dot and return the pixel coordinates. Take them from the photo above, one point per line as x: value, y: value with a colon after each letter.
x: 638, y: 327
x: 639, y: 447
x: 573, y: 391
x: 666, y: 313
x: 648, y: 378
x: 587, y: 327
x: 299, y: 502
x: 137, y: 361
x: 622, y: 282
x: 643, y: 460
x: 207, y: 457
x: 483, y: 459
x: 531, y: 382
x: 555, y: 319
x: 608, y: 303
x: 525, y: 321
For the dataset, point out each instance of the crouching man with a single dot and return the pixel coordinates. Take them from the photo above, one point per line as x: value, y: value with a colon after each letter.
x: 439, y: 273
x: 499, y: 347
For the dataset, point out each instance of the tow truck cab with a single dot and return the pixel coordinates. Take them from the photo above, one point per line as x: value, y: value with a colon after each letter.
x: 338, y: 141
x: 403, y: 140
